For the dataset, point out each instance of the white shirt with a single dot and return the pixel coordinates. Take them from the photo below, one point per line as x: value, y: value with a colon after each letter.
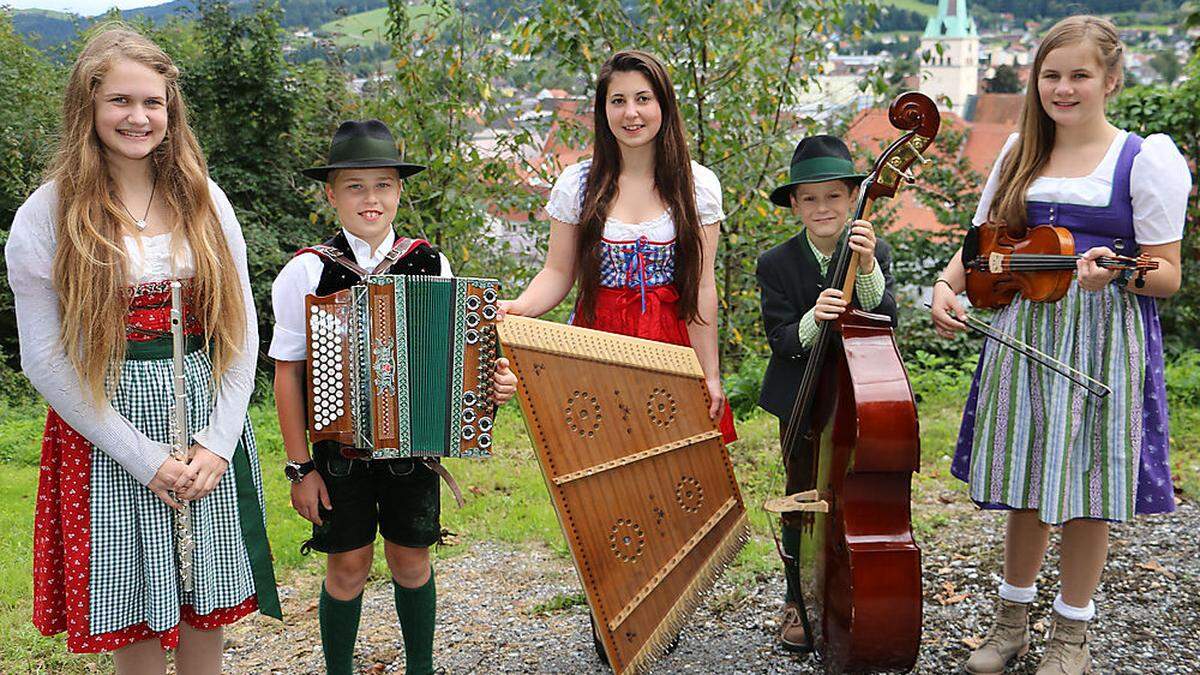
x: 300, y: 277
x: 155, y: 259
x: 30, y: 253
x: 1159, y: 184
x: 566, y: 203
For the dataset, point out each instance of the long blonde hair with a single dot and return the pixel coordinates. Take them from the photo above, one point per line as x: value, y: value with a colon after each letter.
x: 1025, y: 162
x: 90, y: 263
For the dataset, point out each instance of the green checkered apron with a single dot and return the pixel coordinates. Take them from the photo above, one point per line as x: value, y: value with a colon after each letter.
x: 134, y: 575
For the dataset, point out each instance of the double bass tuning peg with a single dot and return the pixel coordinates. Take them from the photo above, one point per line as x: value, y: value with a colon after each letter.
x: 917, y: 153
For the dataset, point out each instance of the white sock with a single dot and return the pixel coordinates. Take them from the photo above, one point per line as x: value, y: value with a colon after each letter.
x: 1074, y: 613
x: 1021, y: 594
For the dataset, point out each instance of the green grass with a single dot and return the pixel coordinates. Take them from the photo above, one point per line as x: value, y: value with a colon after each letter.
x: 369, y: 28
x: 362, y: 29
x: 506, y: 501
x: 922, y: 8
x: 1185, y: 449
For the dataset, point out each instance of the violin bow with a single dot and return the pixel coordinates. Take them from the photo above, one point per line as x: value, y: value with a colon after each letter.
x: 1092, y: 385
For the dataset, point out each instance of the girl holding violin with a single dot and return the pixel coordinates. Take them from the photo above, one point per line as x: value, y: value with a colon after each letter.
x: 1037, y: 444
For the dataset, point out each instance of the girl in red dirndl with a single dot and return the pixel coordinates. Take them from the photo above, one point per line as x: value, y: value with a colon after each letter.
x: 91, y: 282
x: 638, y: 226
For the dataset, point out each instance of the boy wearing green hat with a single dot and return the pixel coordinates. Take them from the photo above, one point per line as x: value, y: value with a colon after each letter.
x: 821, y: 191
x: 348, y: 499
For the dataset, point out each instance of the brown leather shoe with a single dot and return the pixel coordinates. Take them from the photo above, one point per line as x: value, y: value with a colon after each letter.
x: 791, y: 632
x: 1067, y: 651
x: 1007, y: 639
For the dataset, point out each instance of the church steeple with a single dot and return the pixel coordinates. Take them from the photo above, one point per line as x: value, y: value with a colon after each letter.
x: 953, y: 20
x: 949, y: 54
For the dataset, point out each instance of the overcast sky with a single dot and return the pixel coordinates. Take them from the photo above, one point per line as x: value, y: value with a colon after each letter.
x: 82, y: 7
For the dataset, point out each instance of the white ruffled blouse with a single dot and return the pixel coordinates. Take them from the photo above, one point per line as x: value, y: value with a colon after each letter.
x: 635, y: 255
x: 1159, y: 185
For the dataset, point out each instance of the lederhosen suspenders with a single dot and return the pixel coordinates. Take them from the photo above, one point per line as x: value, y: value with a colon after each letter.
x: 402, y: 247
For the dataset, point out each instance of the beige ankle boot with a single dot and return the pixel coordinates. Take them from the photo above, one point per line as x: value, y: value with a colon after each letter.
x: 1007, y: 639
x: 1067, y: 651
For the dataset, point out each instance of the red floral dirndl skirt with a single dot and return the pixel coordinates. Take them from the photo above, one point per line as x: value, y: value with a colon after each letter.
x: 619, y: 310
x: 62, y: 536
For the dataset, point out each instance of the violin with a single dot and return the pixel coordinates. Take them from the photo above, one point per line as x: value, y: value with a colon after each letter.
x: 1037, y: 262
x: 850, y: 449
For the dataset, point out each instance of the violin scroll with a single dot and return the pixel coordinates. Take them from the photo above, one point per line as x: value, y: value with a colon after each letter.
x: 1140, y: 266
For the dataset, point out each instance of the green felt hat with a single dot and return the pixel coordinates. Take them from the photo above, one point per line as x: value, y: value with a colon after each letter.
x: 817, y: 159
x: 362, y: 145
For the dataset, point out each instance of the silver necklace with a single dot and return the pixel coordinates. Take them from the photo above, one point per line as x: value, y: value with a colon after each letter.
x: 140, y: 223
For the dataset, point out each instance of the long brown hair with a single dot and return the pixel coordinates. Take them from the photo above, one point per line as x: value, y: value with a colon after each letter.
x: 90, y: 263
x: 1023, y: 164
x: 672, y: 179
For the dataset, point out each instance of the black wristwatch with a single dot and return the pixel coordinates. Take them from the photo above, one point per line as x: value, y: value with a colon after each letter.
x: 295, y: 471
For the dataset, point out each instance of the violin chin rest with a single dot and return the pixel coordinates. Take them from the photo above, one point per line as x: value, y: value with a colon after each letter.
x: 800, y: 502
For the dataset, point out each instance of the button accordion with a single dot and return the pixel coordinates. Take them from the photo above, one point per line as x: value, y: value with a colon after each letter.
x: 401, y: 366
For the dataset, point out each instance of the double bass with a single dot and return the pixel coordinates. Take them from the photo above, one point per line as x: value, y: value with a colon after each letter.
x: 850, y: 450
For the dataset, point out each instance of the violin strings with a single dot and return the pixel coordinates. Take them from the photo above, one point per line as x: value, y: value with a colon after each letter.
x: 1033, y: 262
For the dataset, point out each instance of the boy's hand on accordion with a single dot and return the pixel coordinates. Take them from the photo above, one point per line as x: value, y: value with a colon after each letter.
x: 309, y: 496
x: 209, y: 469
x: 504, y: 381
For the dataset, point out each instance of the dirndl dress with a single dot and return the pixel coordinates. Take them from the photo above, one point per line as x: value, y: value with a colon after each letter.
x: 1032, y: 439
x: 104, y: 562
x: 637, y: 297
x: 637, y: 294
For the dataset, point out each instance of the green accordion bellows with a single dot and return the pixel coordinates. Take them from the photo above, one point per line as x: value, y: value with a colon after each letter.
x: 401, y: 366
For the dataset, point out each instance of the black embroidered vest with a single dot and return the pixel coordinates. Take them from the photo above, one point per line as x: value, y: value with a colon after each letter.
x: 424, y: 259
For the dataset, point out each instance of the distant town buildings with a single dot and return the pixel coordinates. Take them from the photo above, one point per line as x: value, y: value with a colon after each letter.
x: 954, y: 66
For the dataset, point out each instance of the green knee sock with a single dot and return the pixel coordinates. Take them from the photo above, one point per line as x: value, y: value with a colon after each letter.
x: 416, y: 608
x: 339, y: 630
x: 791, y: 571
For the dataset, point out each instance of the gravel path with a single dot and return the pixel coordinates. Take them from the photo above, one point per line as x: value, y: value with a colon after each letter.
x: 1149, y: 603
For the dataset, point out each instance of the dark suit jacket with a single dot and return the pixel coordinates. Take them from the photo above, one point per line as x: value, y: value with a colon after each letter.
x: 790, y: 280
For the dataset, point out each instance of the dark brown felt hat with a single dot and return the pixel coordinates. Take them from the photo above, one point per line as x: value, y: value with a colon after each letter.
x: 362, y: 145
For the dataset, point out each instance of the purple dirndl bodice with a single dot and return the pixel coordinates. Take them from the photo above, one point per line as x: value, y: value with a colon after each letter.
x: 1110, y: 226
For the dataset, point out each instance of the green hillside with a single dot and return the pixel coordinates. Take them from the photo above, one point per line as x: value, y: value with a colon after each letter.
x: 48, y: 13
x: 369, y: 28
x: 364, y: 28
x: 923, y: 8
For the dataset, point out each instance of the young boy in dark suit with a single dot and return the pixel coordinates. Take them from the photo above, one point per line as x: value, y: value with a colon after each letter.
x: 821, y: 192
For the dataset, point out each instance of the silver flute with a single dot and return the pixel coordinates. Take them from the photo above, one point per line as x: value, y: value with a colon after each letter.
x: 184, y: 543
